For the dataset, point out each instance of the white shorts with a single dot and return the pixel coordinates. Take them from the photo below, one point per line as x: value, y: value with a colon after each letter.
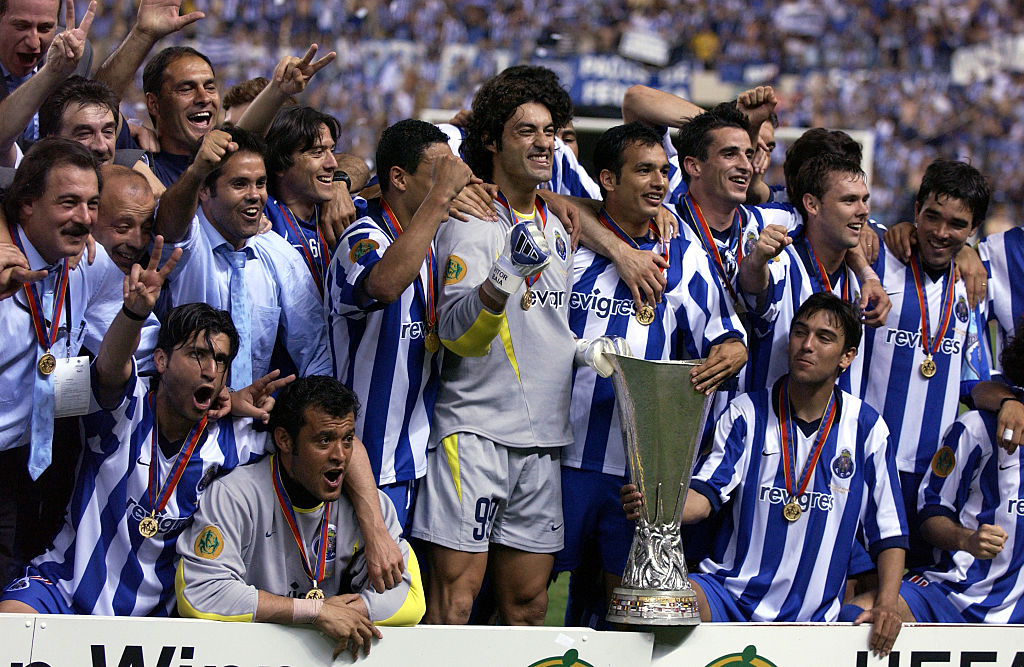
x: 477, y: 491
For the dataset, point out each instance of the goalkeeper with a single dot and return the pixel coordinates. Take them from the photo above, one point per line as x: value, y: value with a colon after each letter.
x: 492, y: 494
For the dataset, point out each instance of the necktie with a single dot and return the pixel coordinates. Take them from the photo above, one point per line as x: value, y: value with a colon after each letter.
x: 41, y: 442
x: 241, y: 368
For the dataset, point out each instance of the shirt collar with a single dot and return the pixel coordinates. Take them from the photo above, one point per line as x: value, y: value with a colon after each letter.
x: 17, y: 80
x: 216, y: 240
x: 35, y: 260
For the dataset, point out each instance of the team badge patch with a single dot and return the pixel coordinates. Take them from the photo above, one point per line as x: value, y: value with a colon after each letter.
x: 842, y: 464
x: 18, y: 585
x: 210, y: 543
x: 943, y: 462
x: 207, y: 477
x: 962, y: 311
x: 362, y: 247
x: 454, y: 270
x: 750, y: 243
x: 560, y: 246
x: 332, y: 543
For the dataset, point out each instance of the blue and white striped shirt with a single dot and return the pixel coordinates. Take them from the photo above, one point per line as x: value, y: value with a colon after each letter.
x: 695, y: 313
x: 781, y: 571
x: 99, y: 561
x: 378, y: 350
x: 916, y: 409
x: 972, y: 483
x: 1003, y: 256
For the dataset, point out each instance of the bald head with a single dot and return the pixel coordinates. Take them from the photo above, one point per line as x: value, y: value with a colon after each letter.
x: 125, y: 217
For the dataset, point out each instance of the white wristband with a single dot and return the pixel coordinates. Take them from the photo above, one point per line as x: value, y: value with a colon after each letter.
x: 305, y: 612
x: 866, y: 274
x: 504, y: 277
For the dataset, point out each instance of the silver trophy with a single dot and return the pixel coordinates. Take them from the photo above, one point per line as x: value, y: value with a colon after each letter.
x: 662, y: 419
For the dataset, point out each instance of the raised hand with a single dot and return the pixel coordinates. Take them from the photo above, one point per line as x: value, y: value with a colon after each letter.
x: 257, y: 400
x: 214, y: 149
x: 142, y: 286
x: 292, y: 74
x: 66, y: 49
x: 158, y: 18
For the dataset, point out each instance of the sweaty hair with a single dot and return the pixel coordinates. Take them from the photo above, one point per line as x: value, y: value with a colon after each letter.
x: 313, y: 391
x: 496, y: 102
x: 247, y: 142
x: 611, y: 147
x: 694, y: 136
x: 815, y: 174
x: 813, y: 142
x: 75, y: 90
x: 30, y: 180
x: 840, y: 313
x: 294, y: 130
x: 956, y: 180
x: 187, y: 322
x: 403, y: 145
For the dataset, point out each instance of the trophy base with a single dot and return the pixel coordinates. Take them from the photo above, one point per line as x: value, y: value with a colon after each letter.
x: 637, y: 606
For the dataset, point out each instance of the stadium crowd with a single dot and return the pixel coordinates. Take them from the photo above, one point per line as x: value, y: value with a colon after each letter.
x: 247, y: 379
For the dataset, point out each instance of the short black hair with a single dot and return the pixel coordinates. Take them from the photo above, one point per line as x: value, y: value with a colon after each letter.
x: 496, y: 102
x: 247, y: 142
x: 403, y: 145
x: 813, y: 142
x: 612, y: 144
x: 956, y: 180
x: 74, y: 90
x: 295, y: 129
x: 153, y: 73
x: 840, y: 312
x: 31, y: 178
x: 813, y: 177
x: 187, y: 322
x: 313, y: 391
x: 694, y: 136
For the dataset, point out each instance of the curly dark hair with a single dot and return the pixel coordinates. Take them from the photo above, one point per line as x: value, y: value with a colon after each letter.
x: 956, y: 180
x: 499, y: 98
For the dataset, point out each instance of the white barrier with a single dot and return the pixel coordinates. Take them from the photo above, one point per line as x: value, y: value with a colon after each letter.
x: 68, y: 641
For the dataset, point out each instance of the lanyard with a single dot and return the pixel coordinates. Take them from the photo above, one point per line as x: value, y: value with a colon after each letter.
x: 316, y: 266
x: 542, y: 213
x: 607, y: 221
x: 428, y: 293
x: 824, y: 283
x: 158, y: 497
x: 789, y: 450
x: 315, y: 575
x: 692, y: 214
x: 929, y: 344
x: 61, y: 295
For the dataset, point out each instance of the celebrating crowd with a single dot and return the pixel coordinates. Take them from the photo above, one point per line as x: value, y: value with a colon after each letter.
x: 248, y: 380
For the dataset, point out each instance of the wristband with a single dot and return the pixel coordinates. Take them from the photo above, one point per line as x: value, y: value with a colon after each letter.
x: 342, y: 176
x: 504, y: 277
x: 305, y: 612
x: 1008, y: 398
x: 132, y: 316
x: 866, y: 274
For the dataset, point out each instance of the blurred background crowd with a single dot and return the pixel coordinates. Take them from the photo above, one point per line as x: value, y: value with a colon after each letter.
x: 928, y: 78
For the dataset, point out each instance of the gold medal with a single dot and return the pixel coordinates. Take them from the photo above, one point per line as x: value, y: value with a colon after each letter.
x: 527, y: 300
x: 315, y: 594
x: 47, y: 363
x: 791, y: 511
x: 432, y: 342
x: 928, y: 368
x: 645, y: 315
x: 148, y: 526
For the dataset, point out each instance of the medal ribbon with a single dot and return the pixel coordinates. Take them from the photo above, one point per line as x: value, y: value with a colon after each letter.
x: 542, y: 213
x: 947, y: 307
x: 789, y: 451
x: 429, y: 295
x: 158, y: 500
x: 289, y: 516
x: 823, y: 280
x: 693, y: 215
x: 317, y: 268
x: 607, y: 221
x: 35, y: 301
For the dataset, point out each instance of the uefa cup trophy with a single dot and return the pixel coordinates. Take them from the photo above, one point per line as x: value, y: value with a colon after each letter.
x: 662, y: 419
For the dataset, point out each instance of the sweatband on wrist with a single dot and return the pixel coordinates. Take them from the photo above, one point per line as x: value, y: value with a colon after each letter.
x: 305, y: 612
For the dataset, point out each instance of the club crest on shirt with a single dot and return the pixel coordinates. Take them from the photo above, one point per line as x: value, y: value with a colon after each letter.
x: 454, y: 270
x: 209, y: 544
x: 843, y: 465
x: 943, y: 462
x: 749, y: 243
x: 207, y: 477
x: 18, y: 585
x: 560, y: 246
x: 361, y: 247
x: 961, y: 309
x: 332, y: 543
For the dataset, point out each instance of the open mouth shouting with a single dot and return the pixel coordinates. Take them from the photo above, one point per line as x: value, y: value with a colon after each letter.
x: 202, y: 397
x: 333, y: 477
